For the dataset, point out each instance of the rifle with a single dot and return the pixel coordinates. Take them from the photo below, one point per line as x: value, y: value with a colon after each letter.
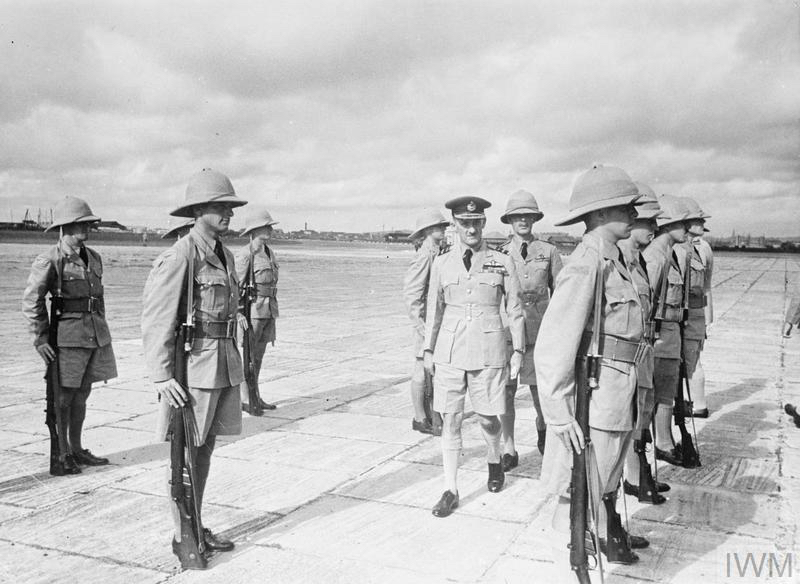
x: 690, y: 457
x: 253, y: 406
x: 579, y: 500
x: 53, y: 387
x: 183, y: 447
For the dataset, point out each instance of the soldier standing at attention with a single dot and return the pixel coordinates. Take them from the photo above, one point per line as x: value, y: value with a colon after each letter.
x: 73, y: 276
x: 666, y: 280
x: 214, y: 364
x: 465, y: 339
x: 637, y: 467
x: 264, y: 271
x: 430, y: 229
x: 537, y: 263
x: 701, y: 313
x: 603, y: 198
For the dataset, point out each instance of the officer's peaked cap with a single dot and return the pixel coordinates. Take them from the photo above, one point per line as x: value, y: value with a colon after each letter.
x: 600, y: 187
x: 521, y: 203
x: 71, y: 210
x: 468, y: 207
x: 207, y: 186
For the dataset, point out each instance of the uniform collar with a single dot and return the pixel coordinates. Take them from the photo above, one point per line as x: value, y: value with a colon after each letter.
x: 70, y: 251
x: 608, y: 250
x: 206, y: 245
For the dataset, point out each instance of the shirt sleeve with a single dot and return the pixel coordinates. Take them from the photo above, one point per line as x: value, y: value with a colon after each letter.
x: 34, y: 308
x: 555, y: 267
x: 513, y: 306
x: 560, y: 337
x: 434, y: 306
x: 415, y: 285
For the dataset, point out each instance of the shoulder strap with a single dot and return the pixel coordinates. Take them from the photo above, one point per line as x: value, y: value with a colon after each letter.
x: 599, y: 285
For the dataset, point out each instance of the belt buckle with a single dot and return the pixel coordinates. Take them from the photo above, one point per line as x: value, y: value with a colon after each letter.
x: 231, y: 329
x: 91, y: 304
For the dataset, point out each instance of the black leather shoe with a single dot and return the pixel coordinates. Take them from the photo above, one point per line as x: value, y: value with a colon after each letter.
x: 638, y: 542
x: 446, y: 504
x: 424, y: 427
x: 510, y: 461
x: 699, y: 413
x: 266, y: 406
x: 190, y: 559
x: 214, y: 542
x: 64, y: 465
x: 496, y: 477
x: 670, y: 456
x: 540, y: 443
x: 89, y: 459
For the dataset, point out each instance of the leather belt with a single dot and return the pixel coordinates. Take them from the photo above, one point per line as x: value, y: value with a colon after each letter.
x: 470, y: 310
x: 265, y: 291
x: 673, y: 314
x: 86, y: 304
x: 620, y: 350
x: 215, y: 329
x: 697, y: 301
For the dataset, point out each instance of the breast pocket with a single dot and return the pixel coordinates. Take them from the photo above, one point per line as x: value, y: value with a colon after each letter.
x: 264, y: 271
x: 621, y: 310
x: 674, y: 289
x: 213, y: 292
x: 96, y: 276
x: 490, y: 287
x: 73, y: 281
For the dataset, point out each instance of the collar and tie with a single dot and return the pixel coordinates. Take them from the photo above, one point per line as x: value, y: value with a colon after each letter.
x: 523, y: 250
x: 468, y: 259
x: 220, y: 253
x: 84, y: 255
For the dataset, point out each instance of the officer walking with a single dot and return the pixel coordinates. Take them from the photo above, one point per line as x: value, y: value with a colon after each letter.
x: 537, y: 263
x: 465, y: 347
x: 214, y: 364
x: 264, y: 275
x: 640, y: 482
x: 666, y: 280
x: 603, y: 198
x: 429, y: 231
x: 73, y: 276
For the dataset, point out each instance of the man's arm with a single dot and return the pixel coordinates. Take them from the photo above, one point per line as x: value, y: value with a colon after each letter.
x: 556, y: 263
x: 33, y: 299
x: 434, y: 306
x: 415, y: 283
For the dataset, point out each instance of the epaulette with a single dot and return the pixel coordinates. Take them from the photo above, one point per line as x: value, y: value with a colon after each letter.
x: 445, y: 247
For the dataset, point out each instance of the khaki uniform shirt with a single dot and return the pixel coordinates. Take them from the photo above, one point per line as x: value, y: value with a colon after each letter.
x: 707, y: 257
x: 213, y: 363
x: 662, y: 263
x: 695, y: 327
x: 537, y: 277
x: 464, y: 328
x: 78, y: 281
x: 566, y: 329
x: 265, y: 270
x: 415, y: 290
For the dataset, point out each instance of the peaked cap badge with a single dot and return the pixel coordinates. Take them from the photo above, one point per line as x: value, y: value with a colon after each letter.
x: 471, y: 206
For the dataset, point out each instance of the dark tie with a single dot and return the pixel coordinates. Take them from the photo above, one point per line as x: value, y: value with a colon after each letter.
x: 523, y: 250
x: 84, y: 256
x: 266, y: 251
x: 468, y: 259
x: 220, y: 253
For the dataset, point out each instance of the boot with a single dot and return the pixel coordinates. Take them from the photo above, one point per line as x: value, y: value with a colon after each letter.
x: 496, y: 477
x: 617, y: 546
x: 64, y: 465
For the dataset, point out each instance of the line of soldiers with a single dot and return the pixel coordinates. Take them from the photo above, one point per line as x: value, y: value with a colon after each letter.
x: 213, y: 384
x: 493, y: 318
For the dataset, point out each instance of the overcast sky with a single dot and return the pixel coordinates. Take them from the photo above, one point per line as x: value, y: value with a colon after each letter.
x: 355, y: 115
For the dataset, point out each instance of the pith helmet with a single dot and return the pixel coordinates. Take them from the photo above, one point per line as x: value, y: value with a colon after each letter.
x: 261, y: 219
x: 71, y: 210
x: 179, y: 230
x: 647, y: 206
x: 429, y: 218
x: 468, y: 207
x: 521, y: 203
x: 600, y: 187
x: 695, y: 212
x: 673, y: 210
x: 207, y: 186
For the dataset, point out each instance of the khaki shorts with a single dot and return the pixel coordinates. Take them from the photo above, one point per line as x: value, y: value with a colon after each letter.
x: 78, y: 365
x: 665, y: 380
x: 218, y: 412
x: 691, y: 354
x: 645, y: 404
x: 487, y: 389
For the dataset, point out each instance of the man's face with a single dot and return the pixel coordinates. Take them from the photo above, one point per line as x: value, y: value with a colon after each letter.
x: 522, y: 225
x: 620, y: 219
x: 677, y: 232
x: 263, y: 233
x: 436, y: 233
x: 642, y: 231
x: 695, y: 227
x: 216, y: 217
x: 470, y: 231
x: 79, y: 232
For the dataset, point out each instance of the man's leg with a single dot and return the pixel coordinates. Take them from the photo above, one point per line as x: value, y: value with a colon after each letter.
x: 420, y: 423
x: 451, y: 452
x: 263, y: 332
x: 490, y: 427
x: 510, y: 457
x: 541, y: 426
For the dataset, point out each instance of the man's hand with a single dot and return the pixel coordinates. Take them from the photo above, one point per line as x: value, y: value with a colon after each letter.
x: 787, y: 330
x: 427, y: 361
x: 172, y: 391
x: 46, y: 352
x: 241, y: 319
x: 570, y: 434
x: 515, y: 365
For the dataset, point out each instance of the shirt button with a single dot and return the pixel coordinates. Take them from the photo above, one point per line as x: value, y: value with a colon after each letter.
x: 469, y: 276
x: 526, y: 276
x: 469, y: 291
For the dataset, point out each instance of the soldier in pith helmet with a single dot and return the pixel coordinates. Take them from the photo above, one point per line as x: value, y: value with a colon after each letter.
x: 429, y: 231
x: 72, y: 274
x: 603, y: 198
x: 214, y: 366
x: 537, y: 263
x: 464, y: 347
